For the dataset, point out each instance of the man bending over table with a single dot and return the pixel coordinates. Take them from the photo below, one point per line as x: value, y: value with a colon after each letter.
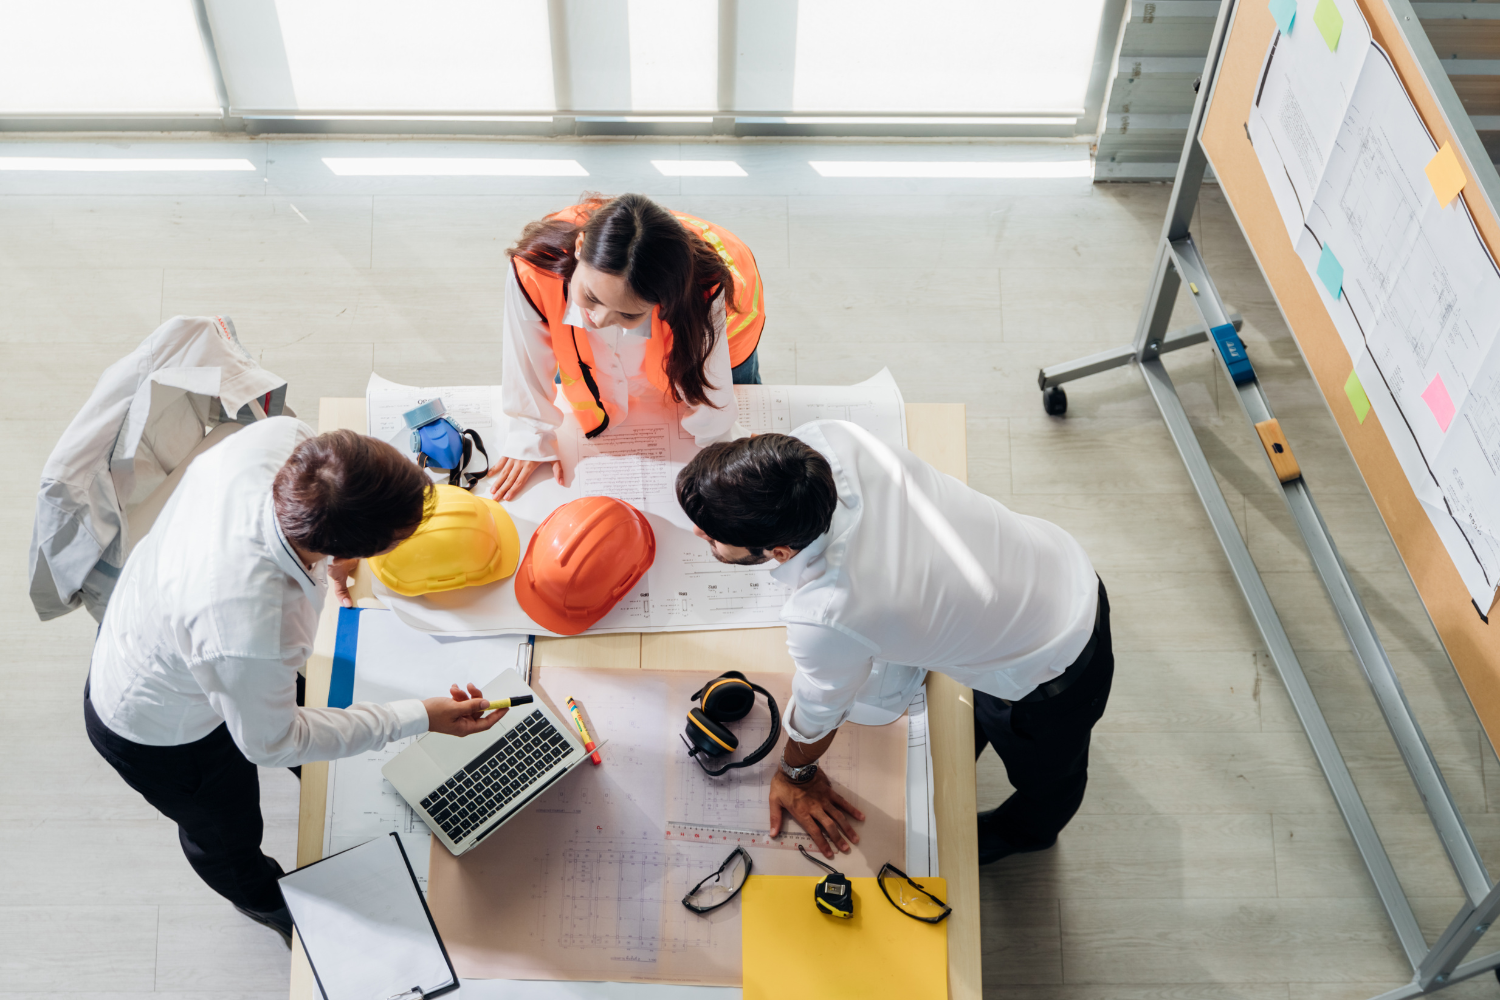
x: 194, y: 676
x: 897, y: 569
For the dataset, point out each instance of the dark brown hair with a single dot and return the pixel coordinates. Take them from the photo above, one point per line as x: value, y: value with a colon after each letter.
x: 759, y: 492
x: 634, y: 238
x: 349, y: 496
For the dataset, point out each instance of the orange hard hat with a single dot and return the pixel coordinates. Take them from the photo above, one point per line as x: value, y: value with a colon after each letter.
x: 581, y: 561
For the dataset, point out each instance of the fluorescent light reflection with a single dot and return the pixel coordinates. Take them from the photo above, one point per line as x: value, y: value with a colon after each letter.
x: 81, y: 164
x: 699, y: 168
x: 406, y: 118
x: 450, y: 166
x: 916, y: 120
x: 1004, y: 169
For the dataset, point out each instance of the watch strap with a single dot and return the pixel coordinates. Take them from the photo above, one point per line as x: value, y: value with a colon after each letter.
x: 798, y: 775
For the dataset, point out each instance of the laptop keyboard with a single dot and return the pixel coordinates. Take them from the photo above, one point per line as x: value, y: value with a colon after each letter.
x: 491, y: 781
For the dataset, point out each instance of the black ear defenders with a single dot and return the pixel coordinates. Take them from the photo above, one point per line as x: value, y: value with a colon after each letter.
x: 727, y: 698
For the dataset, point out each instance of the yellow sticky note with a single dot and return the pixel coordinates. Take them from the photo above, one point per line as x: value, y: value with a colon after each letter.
x: 793, y: 952
x: 1355, y: 390
x: 1330, y: 23
x: 1445, y: 174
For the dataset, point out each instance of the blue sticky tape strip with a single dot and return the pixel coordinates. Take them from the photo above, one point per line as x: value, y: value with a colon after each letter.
x: 1233, y: 351
x: 345, y: 645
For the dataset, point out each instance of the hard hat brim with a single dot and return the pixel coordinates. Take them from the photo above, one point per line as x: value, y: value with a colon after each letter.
x: 510, y: 540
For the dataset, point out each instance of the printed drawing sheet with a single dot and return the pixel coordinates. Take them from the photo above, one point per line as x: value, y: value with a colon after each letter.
x: 586, y: 882
x: 1417, y: 302
x: 686, y: 589
x: 393, y: 662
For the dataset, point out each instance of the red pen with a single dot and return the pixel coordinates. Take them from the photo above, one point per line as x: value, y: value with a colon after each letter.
x: 588, y: 741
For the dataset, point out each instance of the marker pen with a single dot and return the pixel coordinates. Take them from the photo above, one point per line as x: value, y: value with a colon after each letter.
x: 588, y: 741
x: 521, y: 699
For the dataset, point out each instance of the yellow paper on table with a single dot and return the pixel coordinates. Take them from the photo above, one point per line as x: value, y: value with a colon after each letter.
x: 794, y: 952
x: 1445, y: 174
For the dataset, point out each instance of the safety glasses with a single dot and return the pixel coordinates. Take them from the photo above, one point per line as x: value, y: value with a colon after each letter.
x: 910, y: 898
x: 726, y: 884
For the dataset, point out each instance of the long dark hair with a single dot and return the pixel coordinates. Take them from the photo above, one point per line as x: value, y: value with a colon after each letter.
x: 636, y: 239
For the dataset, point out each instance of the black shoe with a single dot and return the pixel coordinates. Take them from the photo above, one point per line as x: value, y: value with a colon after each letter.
x: 993, y: 847
x: 279, y: 921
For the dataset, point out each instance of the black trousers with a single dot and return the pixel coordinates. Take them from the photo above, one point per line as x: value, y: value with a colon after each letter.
x: 212, y: 792
x: 1045, y: 747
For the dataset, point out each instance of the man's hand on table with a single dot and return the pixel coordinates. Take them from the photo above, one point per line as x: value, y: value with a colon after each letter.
x: 512, y: 473
x: 821, y: 811
x: 339, y: 572
x: 462, y: 714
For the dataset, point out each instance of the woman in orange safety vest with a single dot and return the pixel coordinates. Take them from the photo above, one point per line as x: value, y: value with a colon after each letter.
x: 620, y: 298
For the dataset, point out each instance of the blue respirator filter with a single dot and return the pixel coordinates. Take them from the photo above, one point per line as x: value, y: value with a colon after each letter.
x: 433, y: 434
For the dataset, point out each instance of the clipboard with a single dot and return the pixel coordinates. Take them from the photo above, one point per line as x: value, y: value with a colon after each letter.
x: 365, y: 926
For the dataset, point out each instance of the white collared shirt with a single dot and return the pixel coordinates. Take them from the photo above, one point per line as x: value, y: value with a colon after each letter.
x: 919, y: 572
x: 214, y: 614
x: 528, y: 392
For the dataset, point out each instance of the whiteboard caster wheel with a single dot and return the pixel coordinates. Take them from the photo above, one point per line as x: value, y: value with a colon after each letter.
x: 1055, y: 401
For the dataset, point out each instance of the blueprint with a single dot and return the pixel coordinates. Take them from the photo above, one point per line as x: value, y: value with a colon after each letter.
x: 472, y: 406
x: 1416, y: 296
x: 586, y: 883
x: 1299, y: 106
x: 686, y: 588
x: 393, y: 662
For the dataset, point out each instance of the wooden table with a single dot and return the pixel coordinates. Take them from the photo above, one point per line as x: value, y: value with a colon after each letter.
x: 936, y: 432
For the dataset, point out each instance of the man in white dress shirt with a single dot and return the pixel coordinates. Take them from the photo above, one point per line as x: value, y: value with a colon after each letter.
x: 194, y: 679
x: 896, y: 569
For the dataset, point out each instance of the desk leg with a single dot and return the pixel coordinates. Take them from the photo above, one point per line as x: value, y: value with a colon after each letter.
x: 304, y: 984
x: 311, y: 810
x: 950, y: 708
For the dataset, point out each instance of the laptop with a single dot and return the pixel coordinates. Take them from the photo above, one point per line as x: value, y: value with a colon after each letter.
x: 466, y: 788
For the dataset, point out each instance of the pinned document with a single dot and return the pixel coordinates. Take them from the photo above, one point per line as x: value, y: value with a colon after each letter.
x: 1330, y: 23
x: 1330, y: 272
x: 1355, y: 390
x: 1439, y: 402
x: 793, y: 952
x: 1285, y: 12
x: 1445, y: 174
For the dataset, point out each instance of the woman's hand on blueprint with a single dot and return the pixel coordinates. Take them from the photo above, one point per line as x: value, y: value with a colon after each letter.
x: 512, y: 473
x: 462, y: 714
x: 820, y: 810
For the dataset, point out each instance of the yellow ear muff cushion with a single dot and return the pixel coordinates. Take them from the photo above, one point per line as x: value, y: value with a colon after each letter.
x: 713, y: 731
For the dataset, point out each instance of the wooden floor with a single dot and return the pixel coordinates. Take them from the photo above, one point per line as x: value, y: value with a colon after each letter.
x: 1208, y: 860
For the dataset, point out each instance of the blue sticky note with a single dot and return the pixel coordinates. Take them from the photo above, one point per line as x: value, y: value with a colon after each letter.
x: 1285, y: 12
x: 1331, y: 272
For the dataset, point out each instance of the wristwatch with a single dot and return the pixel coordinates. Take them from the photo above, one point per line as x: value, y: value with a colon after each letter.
x: 798, y: 775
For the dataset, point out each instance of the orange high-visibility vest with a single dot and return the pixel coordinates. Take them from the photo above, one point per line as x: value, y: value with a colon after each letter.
x: 548, y: 295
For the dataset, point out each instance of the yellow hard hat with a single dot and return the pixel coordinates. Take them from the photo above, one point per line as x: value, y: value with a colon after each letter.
x: 468, y: 541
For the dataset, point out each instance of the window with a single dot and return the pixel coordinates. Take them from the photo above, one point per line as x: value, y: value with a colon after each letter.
x: 990, y: 62
x: 367, y: 56
x: 103, y: 57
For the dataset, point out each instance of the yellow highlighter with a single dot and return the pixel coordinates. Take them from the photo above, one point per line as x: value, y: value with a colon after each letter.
x: 583, y: 731
x: 523, y: 699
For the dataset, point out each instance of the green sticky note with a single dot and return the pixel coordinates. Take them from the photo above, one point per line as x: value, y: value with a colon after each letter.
x: 1330, y: 23
x: 1357, y: 398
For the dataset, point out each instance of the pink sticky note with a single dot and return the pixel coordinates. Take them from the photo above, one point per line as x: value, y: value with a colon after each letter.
x: 1439, y: 402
